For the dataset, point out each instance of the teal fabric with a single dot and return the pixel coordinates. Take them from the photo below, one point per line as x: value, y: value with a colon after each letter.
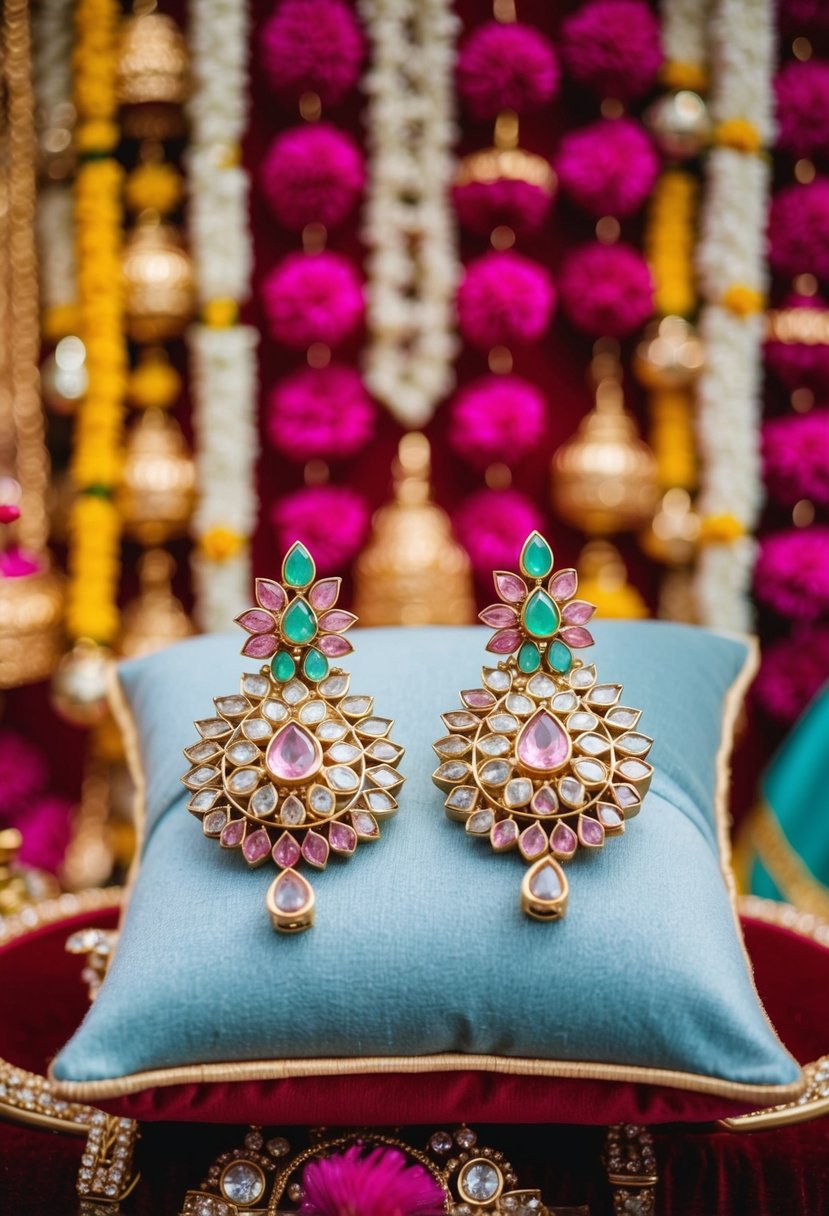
x: 419, y: 944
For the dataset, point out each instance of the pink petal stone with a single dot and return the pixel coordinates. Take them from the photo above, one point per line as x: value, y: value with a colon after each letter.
x: 577, y: 612
x: 270, y: 595
x: 256, y: 621
x: 324, y: 593
x: 256, y: 847
x: 337, y: 621
x: 576, y: 637
x: 609, y: 816
x: 342, y: 838
x: 365, y: 824
x: 261, y: 646
x: 499, y: 616
x: 591, y: 832
x: 286, y: 851
x: 291, y: 892
x: 315, y: 850
x: 563, y: 841
x: 233, y: 834
x: 533, y: 842
x: 509, y: 586
x: 504, y: 834
x: 545, y: 801
x: 292, y: 754
x: 543, y: 745
x: 334, y: 646
x: 477, y: 698
x: 505, y: 641
x: 563, y: 585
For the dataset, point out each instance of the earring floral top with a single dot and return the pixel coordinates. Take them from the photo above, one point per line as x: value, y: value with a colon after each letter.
x: 543, y: 758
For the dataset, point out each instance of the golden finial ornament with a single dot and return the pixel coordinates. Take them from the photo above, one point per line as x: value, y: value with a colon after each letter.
x: 158, y: 281
x: 158, y: 485
x: 669, y: 355
x: 156, y: 618
x: 79, y: 686
x: 20, y: 885
x: 413, y: 571
x: 153, y: 74
x: 604, y: 581
x: 604, y: 478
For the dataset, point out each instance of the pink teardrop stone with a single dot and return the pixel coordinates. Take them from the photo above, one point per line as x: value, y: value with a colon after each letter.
x: 509, y: 586
x: 562, y: 586
x: 290, y: 893
x: 533, y: 841
x: 286, y: 851
x: 342, y: 838
x: 543, y: 745
x: 315, y: 849
x: 323, y: 594
x: 564, y: 840
x: 292, y: 755
x: 256, y: 847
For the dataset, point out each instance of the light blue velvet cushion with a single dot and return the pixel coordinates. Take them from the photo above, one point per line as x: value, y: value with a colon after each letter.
x: 420, y: 946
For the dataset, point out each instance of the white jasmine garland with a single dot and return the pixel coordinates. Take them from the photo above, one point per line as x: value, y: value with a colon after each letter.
x: 409, y: 226
x: 223, y: 358
x: 732, y: 255
x: 683, y: 30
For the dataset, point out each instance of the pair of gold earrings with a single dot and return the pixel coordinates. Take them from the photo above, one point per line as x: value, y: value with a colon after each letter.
x: 541, y: 758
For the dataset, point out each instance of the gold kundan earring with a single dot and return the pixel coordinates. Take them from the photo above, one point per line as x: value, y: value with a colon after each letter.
x: 542, y: 758
x: 293, y: 767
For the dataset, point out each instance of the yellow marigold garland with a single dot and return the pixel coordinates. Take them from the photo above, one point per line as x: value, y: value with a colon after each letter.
x: 95, y: 526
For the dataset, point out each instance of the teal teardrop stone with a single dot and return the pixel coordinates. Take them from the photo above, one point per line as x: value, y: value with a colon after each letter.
x: 559, y: 657
x: 298, y: 567
x: 315, y: 665
x: 299, y: 624
x: 541, y: 616
x: 536, y: 556
x: 283, y: 667
x: 528, y: 657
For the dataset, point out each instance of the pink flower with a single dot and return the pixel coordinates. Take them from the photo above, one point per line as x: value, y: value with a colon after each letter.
x: 613, y: 46
x: 332, y: 521
x: 803, y: 16
x: 492, y: 526
x: 504, y: 298
x: 607, y: 290
x: 324, y: 412
x: 799, y: 229
x: 497, y: 418
x: 46, y: 826
x: 792, y: 573
x: 608, y: 168
x: 796, y: 457
x: 312, y: 46
x: 506, y: 67
x: 802, y: 91
x: 23, y: 772
x: 313, y: 298
x: 793, y: 671
x: 801, y: 364
x: 482, y: 206
x: 381, y: 1183
x: 312, y: 173
x: 16, y: 563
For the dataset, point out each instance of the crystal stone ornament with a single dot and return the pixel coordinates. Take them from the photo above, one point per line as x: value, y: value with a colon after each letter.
x: 291, y: 769
x: 542, y: 761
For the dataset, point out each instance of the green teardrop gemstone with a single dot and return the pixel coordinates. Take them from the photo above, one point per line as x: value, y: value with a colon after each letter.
x: 541, y: 617
x: 298, y: 567
x: 559, y: 657
x: 536, y: 556
x: 299, y: 624
x: 528, y: 657
x: 315, y: 665
x: 283, y: 667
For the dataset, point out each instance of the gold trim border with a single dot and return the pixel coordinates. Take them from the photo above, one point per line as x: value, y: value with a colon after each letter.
x: 268, y: 1070
x: 785, y: 867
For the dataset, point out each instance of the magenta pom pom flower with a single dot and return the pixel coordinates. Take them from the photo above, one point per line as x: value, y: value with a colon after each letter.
x: 497, y: 418
x: 606, y: 290
x: 22, y: 772
x: 331, y: 519
x: 608, y: 168
x: 613, y: 46
x: 801, y: 364
x: 792, y: 573
x: 504, y: 298
x: 482, y: 206
x: 799, y: 229
x: 320, y: 412
x: 796, y: 457
x: 793, y: 672
x: 492, y: 526
x: 312, y: 46
x: 802, y: 91
x: 803, y: 16
x: 313, y: 298
x: 511, y: 67
x: 381, y: 1183
x: 312, y: 173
